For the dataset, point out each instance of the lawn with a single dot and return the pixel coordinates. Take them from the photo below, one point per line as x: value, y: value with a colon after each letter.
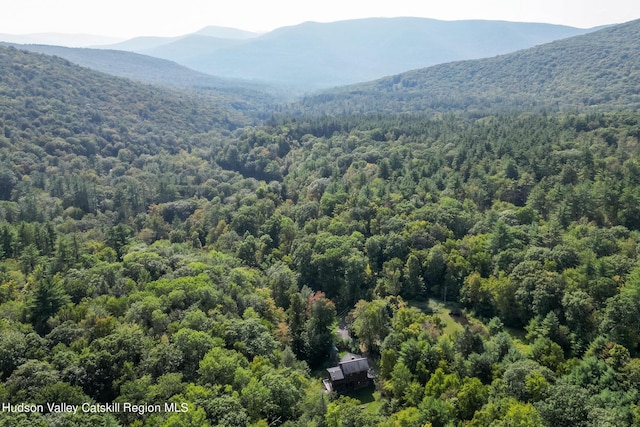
x: 519, y: 339
x: 453, y: 323
x: 369, y: 398
x: 442, y: 311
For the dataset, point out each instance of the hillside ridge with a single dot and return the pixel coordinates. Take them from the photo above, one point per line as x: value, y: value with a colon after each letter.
x: 595, y: 70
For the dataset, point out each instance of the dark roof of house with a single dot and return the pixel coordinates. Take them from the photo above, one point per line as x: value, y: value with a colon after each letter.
x: 348, y: 367
x: 355, y: 365
x: 335, y: 373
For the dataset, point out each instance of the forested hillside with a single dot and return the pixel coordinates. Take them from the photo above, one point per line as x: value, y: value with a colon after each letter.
x: 159, y: 248
x: 39, y: 89
x: 149, y: 69
x: 593, y: 71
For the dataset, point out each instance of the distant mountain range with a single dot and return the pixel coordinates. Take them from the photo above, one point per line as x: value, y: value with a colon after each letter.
x: 59, y: 39
x: 315, y: 55
x: 600, y: 70
x: 135, y: 44
x: 186, y: 46
x: 318, y: 55
x: 597, y: 70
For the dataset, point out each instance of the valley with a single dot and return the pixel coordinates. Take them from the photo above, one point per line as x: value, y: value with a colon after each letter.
x: 185, y: 245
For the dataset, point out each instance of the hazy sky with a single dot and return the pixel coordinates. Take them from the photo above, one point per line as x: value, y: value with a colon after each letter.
x: 129, y: 18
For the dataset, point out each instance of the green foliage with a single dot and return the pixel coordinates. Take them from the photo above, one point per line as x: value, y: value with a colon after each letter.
x: 371, y: 323
x: 219, y: 366
x: 521, y: 376
x: 345, y: 411
x: 319, y: 328
x: 471, y: 397
x: 566, y: 405
x: 150, y: 254
x: 48, y: 297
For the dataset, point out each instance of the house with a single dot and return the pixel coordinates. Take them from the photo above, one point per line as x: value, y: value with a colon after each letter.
x: 351, y: 373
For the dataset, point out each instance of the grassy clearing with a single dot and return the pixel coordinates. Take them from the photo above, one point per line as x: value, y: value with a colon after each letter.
x: 442, y: 311
x: 453, y: 324
x: 368, y: 397
x: 519, y: 339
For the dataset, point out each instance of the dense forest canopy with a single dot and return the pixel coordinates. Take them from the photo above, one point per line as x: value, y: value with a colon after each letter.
x: 159, y: 248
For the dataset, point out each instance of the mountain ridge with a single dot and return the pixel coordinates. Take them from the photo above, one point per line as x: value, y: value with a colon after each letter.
x: 62, y: 39
x: 314, y: 55
x: 588, y: 70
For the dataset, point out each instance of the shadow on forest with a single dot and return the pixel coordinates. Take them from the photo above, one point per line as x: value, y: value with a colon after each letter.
x: 459, y: 317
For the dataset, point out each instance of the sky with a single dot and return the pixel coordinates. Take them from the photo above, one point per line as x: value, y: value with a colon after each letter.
x: 131, y: 18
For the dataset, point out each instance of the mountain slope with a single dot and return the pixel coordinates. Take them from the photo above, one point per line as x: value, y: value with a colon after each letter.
x: 597, y: 70
x: 191, y: 46
x: 143, y: 44
x: 139, y: 67
x: 246, y: 96
x: 315, y: 55
x: 226, y: 32
x: 53, y: 102
x: 139, y: 44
